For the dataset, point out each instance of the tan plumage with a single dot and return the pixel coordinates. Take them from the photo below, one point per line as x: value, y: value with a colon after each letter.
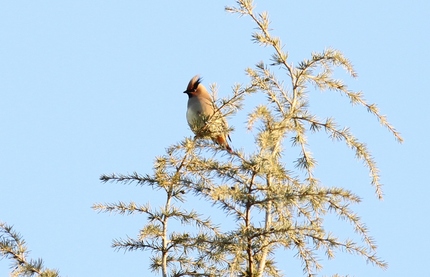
x: 200, y: 114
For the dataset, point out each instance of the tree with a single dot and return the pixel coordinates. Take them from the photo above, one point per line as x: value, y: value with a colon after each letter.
x: 271, y: 207
x: 13, y: 246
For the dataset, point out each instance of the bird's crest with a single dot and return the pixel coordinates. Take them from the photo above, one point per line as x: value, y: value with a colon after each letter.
x: 194, y: 83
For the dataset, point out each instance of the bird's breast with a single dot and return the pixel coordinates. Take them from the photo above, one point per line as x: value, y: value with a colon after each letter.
x: 197, y: 110
x: 193, y: 116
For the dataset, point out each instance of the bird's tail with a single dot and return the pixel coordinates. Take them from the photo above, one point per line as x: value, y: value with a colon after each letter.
x: 221, y: 140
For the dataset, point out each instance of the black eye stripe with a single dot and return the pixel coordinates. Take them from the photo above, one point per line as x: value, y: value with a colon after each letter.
x: 192, y: 90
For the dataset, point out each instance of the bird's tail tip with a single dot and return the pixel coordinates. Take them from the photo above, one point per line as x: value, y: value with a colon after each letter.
x: 223, y: 142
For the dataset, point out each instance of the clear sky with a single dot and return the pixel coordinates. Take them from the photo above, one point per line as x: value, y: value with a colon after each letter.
x: 95, y: 87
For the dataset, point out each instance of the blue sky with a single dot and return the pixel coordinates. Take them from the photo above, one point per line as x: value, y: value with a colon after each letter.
x: 94, y: 87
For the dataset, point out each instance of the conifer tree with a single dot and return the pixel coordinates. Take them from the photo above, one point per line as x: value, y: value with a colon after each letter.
x: 13, y: 246
x: 267, y: 206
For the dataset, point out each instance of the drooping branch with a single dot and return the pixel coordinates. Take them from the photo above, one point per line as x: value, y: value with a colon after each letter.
x: 13, y: 246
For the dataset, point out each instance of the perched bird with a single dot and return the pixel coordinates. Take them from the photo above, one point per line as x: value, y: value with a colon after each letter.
x: 201, y: 116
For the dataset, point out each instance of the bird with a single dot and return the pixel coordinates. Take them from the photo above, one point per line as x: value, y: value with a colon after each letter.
x: 201, y: 116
